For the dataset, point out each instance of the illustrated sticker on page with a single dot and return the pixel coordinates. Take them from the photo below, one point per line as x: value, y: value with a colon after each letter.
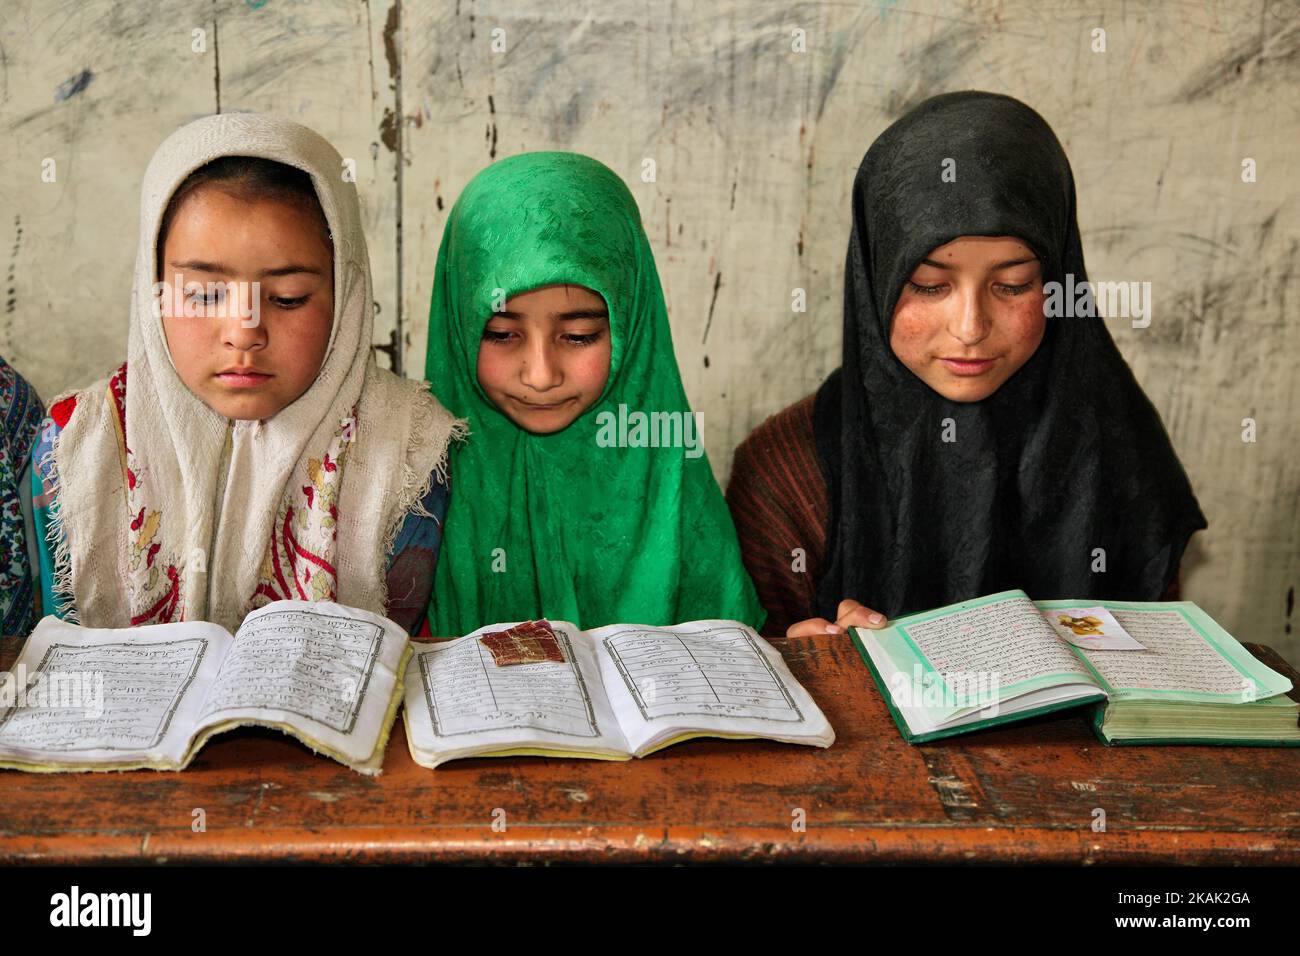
x: 1092, y: 628
x: 529, y: 643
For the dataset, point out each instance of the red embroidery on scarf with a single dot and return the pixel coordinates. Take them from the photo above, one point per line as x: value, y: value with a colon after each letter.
x: 62, y: 411
x: 290, y: 546
x: 165, y: 606
x: 295, y: 551
x: 117, y: 386
x: 279, y: 571
x: 316, y: 504
x: 294, y: 548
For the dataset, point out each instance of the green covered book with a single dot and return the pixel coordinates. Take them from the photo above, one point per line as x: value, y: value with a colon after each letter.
x: 996, y: 659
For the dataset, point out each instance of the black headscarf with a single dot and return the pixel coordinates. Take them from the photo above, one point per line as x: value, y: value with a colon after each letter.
x: 1068, y: 456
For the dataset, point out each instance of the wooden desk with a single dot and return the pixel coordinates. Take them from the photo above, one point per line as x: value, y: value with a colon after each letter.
x: 1020, y: 794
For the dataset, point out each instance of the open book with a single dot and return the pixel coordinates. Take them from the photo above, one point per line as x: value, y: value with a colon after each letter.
x: 619, y: 691
x: 996, y: 659
x: 117, y: 699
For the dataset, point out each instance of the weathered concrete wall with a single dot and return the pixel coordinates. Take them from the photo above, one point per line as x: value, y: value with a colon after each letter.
x: 755, y: 146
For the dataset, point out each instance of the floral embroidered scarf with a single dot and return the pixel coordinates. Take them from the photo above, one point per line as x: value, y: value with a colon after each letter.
x: 170, y: 511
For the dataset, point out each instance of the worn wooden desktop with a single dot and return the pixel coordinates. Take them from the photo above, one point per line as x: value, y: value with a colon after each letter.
x: 1027, y: 794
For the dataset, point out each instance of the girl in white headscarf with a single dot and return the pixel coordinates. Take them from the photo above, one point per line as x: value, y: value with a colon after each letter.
x: 249, y: 449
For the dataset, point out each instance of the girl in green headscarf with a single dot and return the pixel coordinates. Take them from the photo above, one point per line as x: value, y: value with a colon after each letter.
x: 584, y: 492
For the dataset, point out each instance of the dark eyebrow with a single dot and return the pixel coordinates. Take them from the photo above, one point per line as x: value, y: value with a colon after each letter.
x: 290, y: 270
x: 218, y: 268
x: 1001, y: 265
x: 199, y: 266
x: 574, y: 314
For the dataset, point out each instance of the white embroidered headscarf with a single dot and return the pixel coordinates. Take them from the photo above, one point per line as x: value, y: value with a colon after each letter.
x: 208, y: 518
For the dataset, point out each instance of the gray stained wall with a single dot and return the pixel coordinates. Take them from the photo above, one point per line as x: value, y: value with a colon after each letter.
x: 754, y: 146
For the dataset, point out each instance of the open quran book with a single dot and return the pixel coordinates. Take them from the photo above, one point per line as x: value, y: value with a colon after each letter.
x: 117, y: 699
x: 996, y: 659
x: 611, y: 693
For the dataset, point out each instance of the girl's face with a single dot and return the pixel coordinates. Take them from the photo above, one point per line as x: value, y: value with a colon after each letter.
x: 261, y: 329
x: 970, y: 316
x: 544, y: 360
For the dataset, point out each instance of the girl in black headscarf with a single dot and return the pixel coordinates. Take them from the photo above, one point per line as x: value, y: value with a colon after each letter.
x: 969, y: 443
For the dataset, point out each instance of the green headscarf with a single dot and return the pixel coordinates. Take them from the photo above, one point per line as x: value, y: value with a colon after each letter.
x: 589, y: 534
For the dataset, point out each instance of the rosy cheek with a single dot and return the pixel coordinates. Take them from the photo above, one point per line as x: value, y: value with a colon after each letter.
x: 300, y: 332
x: 594, y: 369
x: 1027, y: 324
x: 302, y: 326
x: 492, y: 366
x: 911, y: 332
x: 324, y: 325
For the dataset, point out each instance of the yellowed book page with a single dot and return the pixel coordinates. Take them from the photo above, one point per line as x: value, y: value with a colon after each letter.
x: 1187, y: 656
x: 460, y: 703
x: 548, y: 752
x: 324, y: 672
x: 714, y: 678
x: 371, y: 765
x: 101, y: 699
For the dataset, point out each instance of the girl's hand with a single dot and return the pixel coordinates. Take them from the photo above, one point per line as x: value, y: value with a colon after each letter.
x: 850, y: 614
